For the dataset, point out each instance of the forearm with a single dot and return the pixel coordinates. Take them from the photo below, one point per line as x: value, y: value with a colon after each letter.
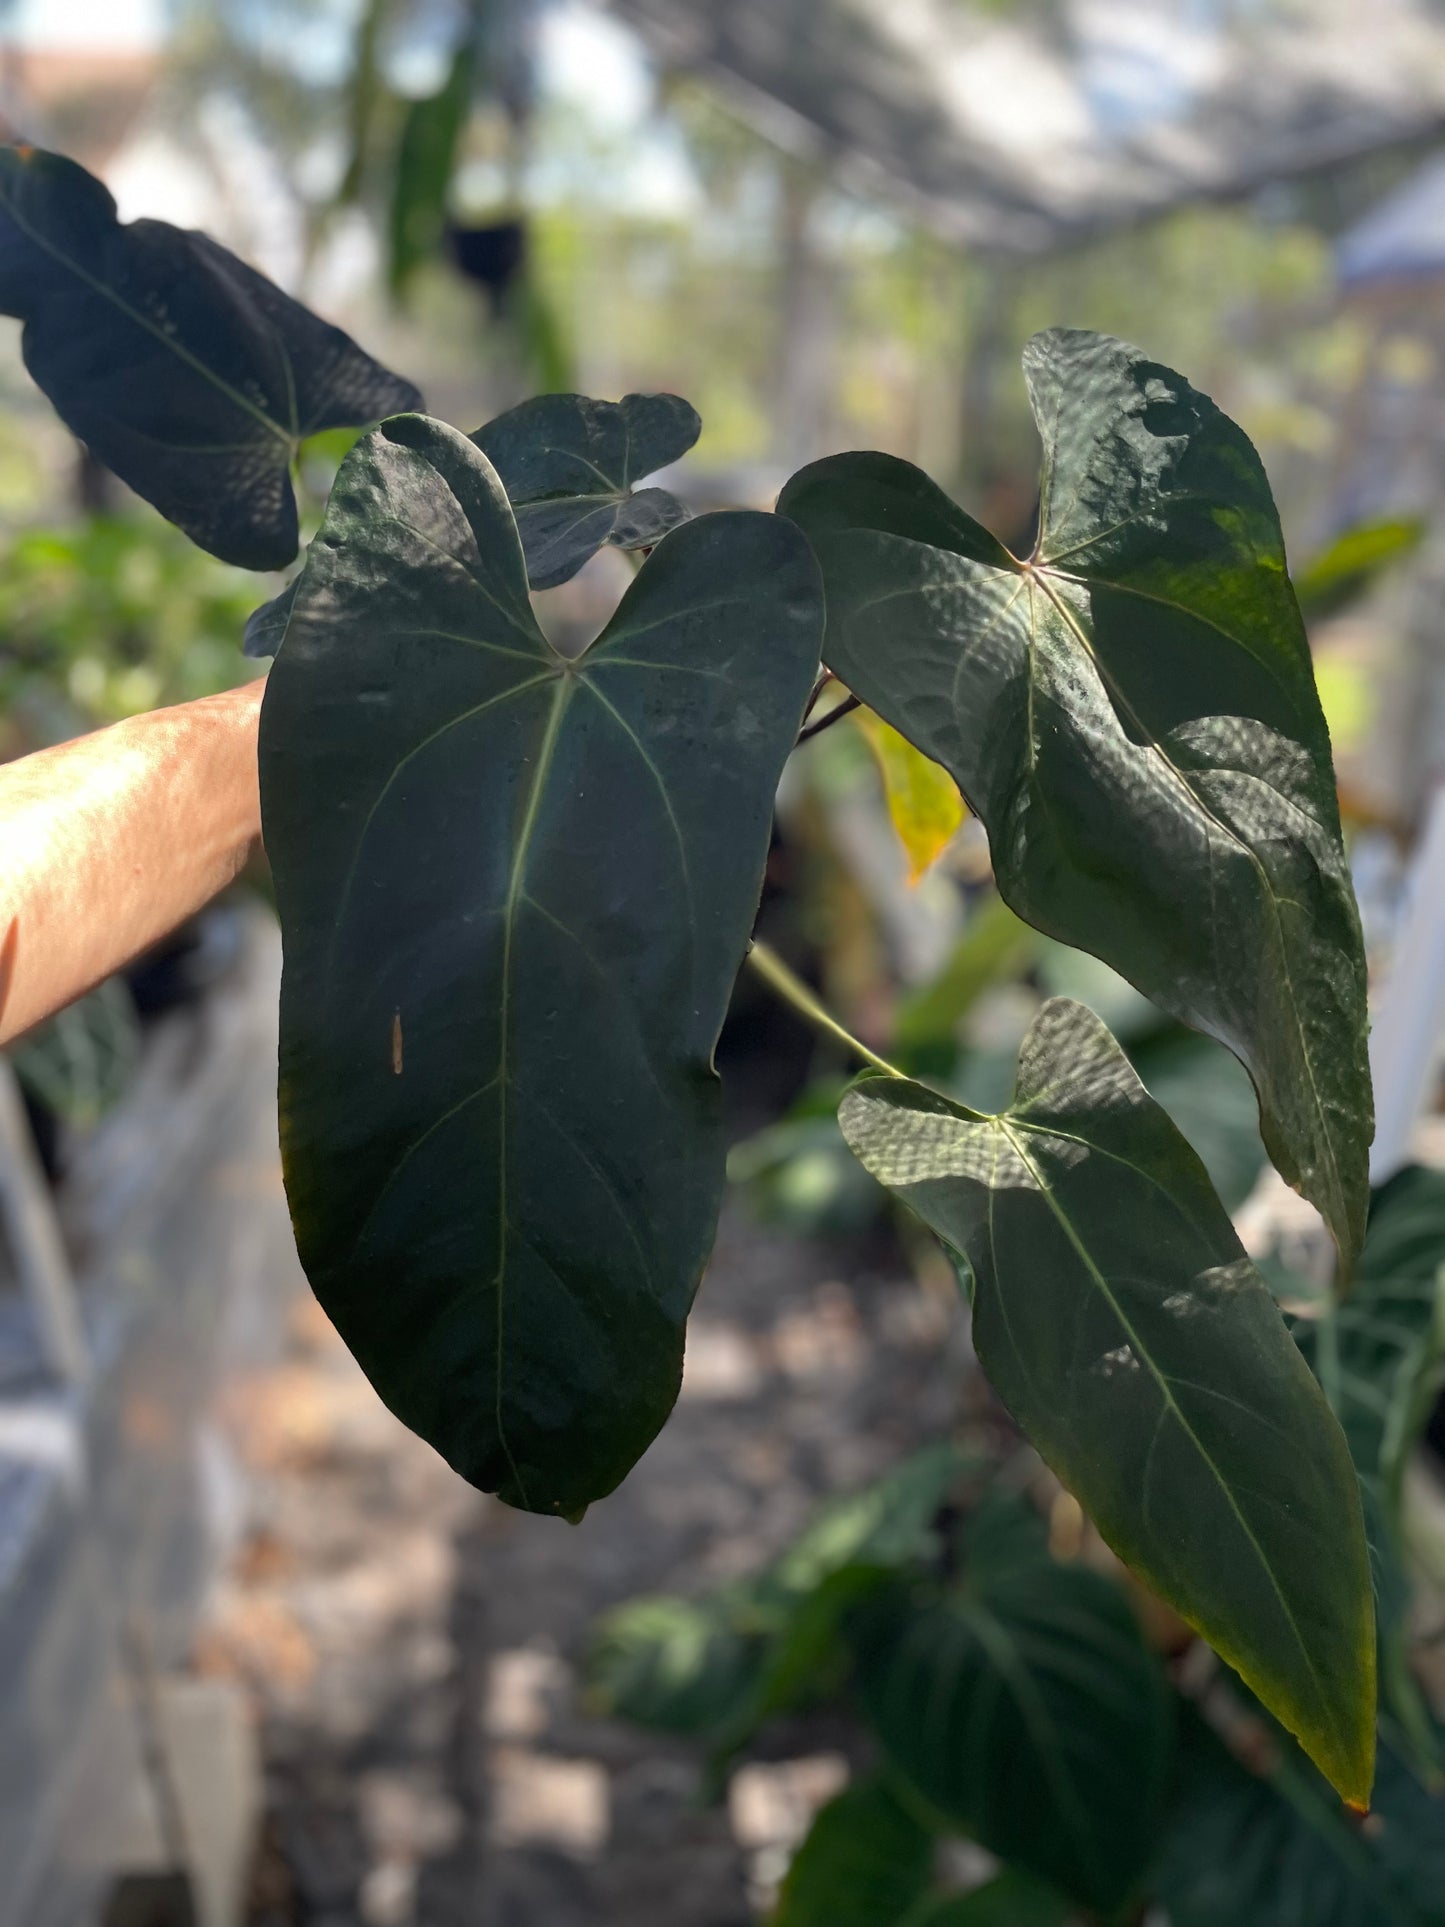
x: 108, y: 842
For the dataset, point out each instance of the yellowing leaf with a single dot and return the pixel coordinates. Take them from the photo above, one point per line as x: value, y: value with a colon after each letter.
x: 923, y: 798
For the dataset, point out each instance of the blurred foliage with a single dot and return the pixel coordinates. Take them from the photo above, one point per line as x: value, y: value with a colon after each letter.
x: 79, y: 1062
x: 112, y: 615
x: 930, y: 1624
x: 922, y: 797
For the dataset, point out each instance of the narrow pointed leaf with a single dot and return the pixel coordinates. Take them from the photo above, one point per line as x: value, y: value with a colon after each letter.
x: 569, y: 465
x: 187, y: 373
x: 1132, y: 712
x: 515, y: 890
x: 1117, y: 1316
x: 866, y: 1862
x: 1026, y: 1709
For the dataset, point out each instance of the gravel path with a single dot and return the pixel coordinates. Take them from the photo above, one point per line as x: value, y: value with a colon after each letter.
x: 412, y: 1649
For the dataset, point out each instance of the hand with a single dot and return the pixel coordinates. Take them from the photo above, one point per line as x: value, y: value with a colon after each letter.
x: 109, y: 842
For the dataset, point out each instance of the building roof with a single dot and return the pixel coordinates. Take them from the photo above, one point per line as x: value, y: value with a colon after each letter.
x: 1020, y: 130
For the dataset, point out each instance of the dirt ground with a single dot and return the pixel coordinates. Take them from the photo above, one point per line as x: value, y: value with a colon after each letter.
x: 412, y: 1649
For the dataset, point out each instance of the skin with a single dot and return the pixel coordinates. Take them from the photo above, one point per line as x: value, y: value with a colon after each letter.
x: 109, y: 842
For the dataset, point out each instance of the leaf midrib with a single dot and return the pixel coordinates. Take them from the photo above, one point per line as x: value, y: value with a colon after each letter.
x: 1142, y: 1352
x: 561, y: 698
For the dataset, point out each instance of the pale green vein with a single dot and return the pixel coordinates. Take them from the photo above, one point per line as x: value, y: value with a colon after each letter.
x: 177, y: 348
x: 516, y: 882
x: 442, y: 729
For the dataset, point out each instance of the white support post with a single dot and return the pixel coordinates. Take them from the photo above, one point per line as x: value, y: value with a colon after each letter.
x: 1410, y: 1016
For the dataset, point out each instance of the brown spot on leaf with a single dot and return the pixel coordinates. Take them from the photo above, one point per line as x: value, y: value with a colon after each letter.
x: 396, y: 1044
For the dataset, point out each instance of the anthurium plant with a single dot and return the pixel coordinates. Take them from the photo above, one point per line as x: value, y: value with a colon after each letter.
x: 516, y: 887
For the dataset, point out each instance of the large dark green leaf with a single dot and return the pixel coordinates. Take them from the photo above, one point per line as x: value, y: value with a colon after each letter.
x: 183, y: 370
x: 1122, y: 1324
x: 865, y: 1862
x: 1131, y: 711
x: 1026, y: 1709
x: 569, y: 464
x: 1276, y: 1851
x: 515, y: 890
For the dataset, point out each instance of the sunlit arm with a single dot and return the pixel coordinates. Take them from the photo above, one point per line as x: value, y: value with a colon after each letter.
x: 109, y: 842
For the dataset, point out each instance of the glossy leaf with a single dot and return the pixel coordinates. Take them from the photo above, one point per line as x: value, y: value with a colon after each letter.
x: 1275, y: 1847
x: 183, y: 370
x: 569, y: 465
x: 1132, y: 712
x: 1025, y: 1708
x: 1119, y: 1319
x: 515, y: 890
x: 866, y: 1861
x: 1010, y: 1899
x: 923, y: 799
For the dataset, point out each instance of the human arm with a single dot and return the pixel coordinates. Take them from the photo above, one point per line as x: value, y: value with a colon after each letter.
x: 109, y: 842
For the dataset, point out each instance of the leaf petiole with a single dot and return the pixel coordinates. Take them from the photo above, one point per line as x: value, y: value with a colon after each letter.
x: 791, y: 988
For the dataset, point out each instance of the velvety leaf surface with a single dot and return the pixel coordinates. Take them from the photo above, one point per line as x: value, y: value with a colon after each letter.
x: 866, y: 1860
x: 515, y: 890
x: 190, y: 375
x: 1132, y: 712
x: 569, y: 465
x: 1118, y: 1317
x: 1025, y: 1708
x: 1275, y: 1848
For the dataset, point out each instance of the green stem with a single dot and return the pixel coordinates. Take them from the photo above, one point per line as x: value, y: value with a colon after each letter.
x: 791, y: 988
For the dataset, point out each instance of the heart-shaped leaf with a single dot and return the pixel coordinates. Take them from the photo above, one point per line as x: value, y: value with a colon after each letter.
x: 569, y: 463
x: 190, y: 375
x: 1025, y: 1708
x: 1117, y: 1316
x: 515, y: 889
x: 866, y: 1861
x: 1131, y: 711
